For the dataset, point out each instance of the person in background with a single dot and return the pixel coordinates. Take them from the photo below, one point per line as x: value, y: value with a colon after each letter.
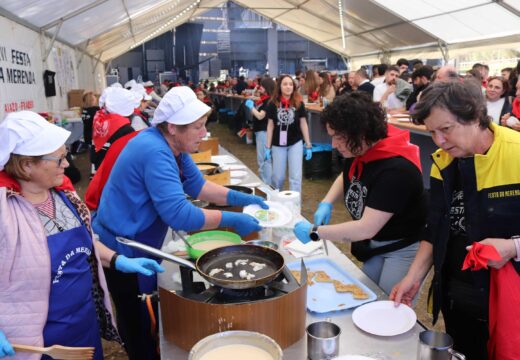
x: 52, y: 287
x: 352, y: 81
x: 474, y: 175
x: 90, y: 108
x: 146, y: 193
x: 379, y: 157
x: 326, y: 90
x: 446, y: 73
x: 337, y: 85
x: 259, y: 111
x: 421, y: 78
x: 512, y: 119
x: 150, y: 90
x: 378, y: 74
x: 497, y: 102
x: 139, y: 118
x: 483, y: 71
x: 403, y: 65
x: 312, y: 85
x: 286, y: 127
x: 386, y: 93
x: 362, y: 82
x: 240, y: 85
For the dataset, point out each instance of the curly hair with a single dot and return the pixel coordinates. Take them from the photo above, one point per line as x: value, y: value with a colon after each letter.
x: 463, y: 99
x: 356, y: 117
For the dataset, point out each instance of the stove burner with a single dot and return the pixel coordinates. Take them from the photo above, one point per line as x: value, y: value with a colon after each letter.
x: 197, y: 291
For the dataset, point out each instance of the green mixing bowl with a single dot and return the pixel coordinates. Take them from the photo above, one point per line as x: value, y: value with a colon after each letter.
x: 204, y: 236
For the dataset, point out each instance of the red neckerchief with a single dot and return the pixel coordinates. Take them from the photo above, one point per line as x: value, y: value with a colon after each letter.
x: 104, y: 126
x: 285, y: 102
x: 516, y: 107
x: 397, y: 143
x: 313, y: 95
x: 262, y: 99
x: 12, y: 184
x: 149, y: 90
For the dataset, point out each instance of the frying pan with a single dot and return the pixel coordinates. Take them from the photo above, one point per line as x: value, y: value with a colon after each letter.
x: 219, y: 257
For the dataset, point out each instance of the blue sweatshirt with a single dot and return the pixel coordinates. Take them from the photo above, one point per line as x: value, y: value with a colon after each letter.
x: 145, y: 186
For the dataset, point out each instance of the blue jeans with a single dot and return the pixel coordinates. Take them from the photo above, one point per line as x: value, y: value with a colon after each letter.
x: 265, y: 168
x: 294, y: 156
x: 388, y: 269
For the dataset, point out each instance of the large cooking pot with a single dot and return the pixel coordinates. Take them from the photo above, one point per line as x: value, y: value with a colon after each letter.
x: 218, y: 259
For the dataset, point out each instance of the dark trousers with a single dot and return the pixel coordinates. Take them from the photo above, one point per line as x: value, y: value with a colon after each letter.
x: 133, y: 321
x: 465, y: 312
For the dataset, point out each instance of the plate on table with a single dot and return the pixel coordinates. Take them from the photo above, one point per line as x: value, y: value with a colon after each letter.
x: 238, y: 173
x: 234, y: 167
x: 322, y: 297
x: 276, y: 216
x: 382, y: 318
x: 223, y: 159
x: 235, y: 181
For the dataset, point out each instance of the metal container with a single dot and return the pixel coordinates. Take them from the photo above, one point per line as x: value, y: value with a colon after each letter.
x: 236, y: 338
x: 435, y: 345
x: 323, y: 340
x: 265, y: 243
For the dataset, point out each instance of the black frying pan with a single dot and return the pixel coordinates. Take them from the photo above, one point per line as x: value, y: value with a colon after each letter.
x: 218, y: 258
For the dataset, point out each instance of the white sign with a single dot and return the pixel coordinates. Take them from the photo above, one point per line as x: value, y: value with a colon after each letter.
x: 18, y: 79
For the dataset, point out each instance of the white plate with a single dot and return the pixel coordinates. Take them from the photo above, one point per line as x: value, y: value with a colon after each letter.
x: 234, y: 167
x: 280, y: 214
x: 238, y: 173
x: 223, y: 159
x: 234, y: 181
x: 383, y: 318
x: 354, y: 357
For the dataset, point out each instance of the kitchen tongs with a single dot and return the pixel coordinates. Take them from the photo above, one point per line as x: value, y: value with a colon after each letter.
x: 59, y: 352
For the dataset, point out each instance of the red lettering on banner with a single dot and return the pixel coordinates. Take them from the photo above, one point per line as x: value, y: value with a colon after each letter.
x: 18, y: 106
x: 26, y: 105
x: 11, y: 107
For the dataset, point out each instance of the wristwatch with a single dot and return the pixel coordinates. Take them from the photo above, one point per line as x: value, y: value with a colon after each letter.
x: 314, y: 234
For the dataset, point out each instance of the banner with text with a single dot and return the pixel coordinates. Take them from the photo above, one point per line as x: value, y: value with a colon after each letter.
x: 19, y: 80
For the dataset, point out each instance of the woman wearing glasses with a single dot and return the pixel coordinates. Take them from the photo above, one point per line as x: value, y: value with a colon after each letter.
x: 51, y: 277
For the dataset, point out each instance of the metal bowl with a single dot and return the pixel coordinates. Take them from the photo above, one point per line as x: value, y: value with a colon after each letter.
x: 264, y: 243
x: 239, y: 337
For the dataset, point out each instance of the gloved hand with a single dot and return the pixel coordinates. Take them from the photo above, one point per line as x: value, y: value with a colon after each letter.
x: 244, y: 224
x: 302, y: 230
x: 236, y: 198
x: 267, y: 154
x: 308, y: 154
x: 5, y: 346
x: 322, y: 215
x: 140, y: 265
x: 249, y: 104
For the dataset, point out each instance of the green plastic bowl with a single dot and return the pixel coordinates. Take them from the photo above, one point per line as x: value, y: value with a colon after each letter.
x: 232, y: 238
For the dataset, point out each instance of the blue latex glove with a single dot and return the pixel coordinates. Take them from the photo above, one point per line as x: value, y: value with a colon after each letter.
x: 267, y: 154
x: 302, y: 230
x: 322, y: 215
x: 236, y: 198
x: 140, y: 265
x: 249, y: 104
x: 243, y: 224
x: 308, y: 154
x: 5, y: 346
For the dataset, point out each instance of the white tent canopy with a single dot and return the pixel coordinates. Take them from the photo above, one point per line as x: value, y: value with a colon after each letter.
x: 106, y: 29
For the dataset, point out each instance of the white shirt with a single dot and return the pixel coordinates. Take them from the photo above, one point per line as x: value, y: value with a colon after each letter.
x: 378, y: 80
x: 379, y: 91
x: 392, y: 102
x: 494, y: 109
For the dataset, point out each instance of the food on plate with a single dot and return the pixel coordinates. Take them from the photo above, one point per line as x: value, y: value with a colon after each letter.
x: 215, y: 271
x: 322, y: 276
x: 211, y: 244
x: 341, y: 288
x: 235, y: 352
x: 359, y: 294
x: 266, y: 215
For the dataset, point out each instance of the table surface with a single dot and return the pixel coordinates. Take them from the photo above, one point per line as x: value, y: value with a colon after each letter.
x: 352, y: 339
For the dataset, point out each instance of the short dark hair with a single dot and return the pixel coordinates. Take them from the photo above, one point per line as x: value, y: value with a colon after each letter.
x: 363, y: 73
x: 268, y: 84
x: 463, y: 99
x: 402, y: 61
x: 425, y: 70
x: 381, y: 69
x: 392, y: 68
x: 508, y: 69
x: 356, y: 117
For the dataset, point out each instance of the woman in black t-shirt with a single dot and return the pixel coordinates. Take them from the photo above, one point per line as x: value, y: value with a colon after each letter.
x: 90, y: 108
x: 287, y: 125
x: 382, y: 188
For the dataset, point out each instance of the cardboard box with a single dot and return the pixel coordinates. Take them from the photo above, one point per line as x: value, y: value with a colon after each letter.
x: 75, y: 97
x: 210, y: 144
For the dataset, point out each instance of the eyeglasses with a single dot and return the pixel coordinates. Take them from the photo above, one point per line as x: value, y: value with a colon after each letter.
x: 58, y: 160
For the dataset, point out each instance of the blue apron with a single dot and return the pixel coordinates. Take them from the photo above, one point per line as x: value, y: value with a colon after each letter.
x: 72, y: 318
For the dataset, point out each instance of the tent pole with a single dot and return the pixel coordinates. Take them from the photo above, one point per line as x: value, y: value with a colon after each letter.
x: 48, y: 51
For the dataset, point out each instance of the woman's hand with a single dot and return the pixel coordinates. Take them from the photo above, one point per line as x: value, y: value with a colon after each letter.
x: 505, y: 247
x: 405, y: 290
x: 5, y: 346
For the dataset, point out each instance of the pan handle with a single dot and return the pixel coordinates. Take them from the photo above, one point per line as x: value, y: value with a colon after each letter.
x: 155, y: 252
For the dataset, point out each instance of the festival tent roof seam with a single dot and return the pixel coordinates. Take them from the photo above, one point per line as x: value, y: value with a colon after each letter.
x: 106, y: 29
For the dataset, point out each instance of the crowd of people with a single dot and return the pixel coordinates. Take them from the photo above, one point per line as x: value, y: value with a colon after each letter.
x: 142, y: 172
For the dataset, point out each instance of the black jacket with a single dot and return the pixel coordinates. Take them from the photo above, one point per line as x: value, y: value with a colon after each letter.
x: 367, y: 87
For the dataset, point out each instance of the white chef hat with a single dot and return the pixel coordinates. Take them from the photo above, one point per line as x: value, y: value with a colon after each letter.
x: 121, y: 101
x: 27, y: 133
x: 130, y: 84
x: 148, y: 83
x: 179, y: 106
x: 116, y: 84
x: 141, y: 93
